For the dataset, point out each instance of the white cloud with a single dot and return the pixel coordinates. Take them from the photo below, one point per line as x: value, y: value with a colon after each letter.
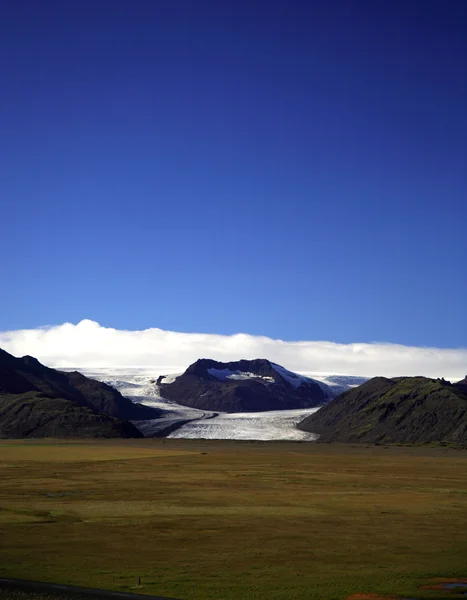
x: 87, y: 344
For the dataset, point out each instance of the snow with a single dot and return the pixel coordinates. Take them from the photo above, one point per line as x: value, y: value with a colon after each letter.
x: 223, y: 374
x: 296, y: 380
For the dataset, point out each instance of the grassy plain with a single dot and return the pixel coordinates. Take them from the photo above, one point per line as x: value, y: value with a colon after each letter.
x: 228, y: 520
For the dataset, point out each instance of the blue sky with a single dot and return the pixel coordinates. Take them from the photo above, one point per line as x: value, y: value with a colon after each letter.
x: 281, y: 168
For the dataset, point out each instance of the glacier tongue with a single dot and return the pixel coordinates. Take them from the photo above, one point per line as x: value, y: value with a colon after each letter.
x: 184, y: 422
x: 266, y: 425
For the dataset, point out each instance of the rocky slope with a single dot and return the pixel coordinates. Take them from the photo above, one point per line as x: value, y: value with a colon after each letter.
x: 403, y: 409
x: 38, y: 401
x: 243, y: 386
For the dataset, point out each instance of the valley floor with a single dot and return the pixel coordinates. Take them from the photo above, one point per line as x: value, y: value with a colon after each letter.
x: 204, y: 519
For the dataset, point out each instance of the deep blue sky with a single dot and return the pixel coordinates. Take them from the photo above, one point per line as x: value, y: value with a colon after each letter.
x: 293, y: 169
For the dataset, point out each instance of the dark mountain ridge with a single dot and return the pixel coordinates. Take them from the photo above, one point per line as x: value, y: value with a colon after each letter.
x: 399, y: 410
x: 243, y: 386
x: 38, y: 401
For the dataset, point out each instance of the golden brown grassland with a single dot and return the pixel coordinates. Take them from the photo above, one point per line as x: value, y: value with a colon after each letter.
x: 228, y: 520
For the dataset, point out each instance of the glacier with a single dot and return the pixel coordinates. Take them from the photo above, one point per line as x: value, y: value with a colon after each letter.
x: 177, y: 421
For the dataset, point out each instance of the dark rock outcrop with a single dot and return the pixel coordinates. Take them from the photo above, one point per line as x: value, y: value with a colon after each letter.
x: 243, y: 386
x: 400, y: 410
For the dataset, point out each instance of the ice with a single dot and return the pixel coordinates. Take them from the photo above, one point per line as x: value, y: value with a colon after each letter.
x: 170, y: 378
x: 338, y: 383
x: 268, y: 425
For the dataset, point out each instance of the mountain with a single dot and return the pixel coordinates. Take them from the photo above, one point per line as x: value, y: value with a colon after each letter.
x: 243, y: 386
x: 32, y: 414
x: 27, y: 374
x: 38, y: 401
x: 404, y: 409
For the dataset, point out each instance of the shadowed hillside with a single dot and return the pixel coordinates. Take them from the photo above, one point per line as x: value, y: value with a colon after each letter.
x: 403, y: 409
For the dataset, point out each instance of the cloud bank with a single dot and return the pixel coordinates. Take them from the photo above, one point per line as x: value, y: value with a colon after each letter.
x: 88, y: 345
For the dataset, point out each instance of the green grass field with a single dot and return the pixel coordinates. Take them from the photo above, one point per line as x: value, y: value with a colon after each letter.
x: 229, y: 520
